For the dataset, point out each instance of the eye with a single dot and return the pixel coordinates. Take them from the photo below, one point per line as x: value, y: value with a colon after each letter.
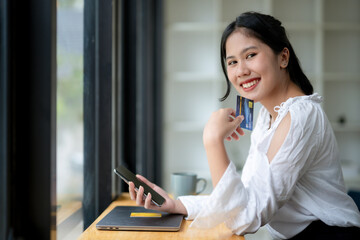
x: 250, y: 55
x: 231, y: 63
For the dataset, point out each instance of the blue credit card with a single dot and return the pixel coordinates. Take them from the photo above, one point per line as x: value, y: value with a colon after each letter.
x: 245, y: 107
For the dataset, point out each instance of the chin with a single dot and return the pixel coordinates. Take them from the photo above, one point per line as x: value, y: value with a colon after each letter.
x: 254, y: 95
x: 248, y: 96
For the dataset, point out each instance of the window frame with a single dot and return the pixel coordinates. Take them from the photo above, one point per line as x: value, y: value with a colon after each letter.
x: 97, y: 108
x: 29, y: 119
x: 4, y: 201
x: 122, y: 96
x: 28, y: 107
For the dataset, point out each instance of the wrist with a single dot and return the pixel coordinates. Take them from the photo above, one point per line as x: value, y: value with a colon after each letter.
x: 180, y: 208
x: 213, y: 142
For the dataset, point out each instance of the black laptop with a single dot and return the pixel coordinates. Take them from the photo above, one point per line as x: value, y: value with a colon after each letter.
x: 139, y: 219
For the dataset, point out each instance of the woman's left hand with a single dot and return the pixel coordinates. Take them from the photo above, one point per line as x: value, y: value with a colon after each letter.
x: 170, y: 205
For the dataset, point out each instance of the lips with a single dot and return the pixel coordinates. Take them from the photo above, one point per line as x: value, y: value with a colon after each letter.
x: 250, y: 84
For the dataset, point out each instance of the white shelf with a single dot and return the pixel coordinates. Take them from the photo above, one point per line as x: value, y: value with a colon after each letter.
x: 352, y: 183
x: 190, y: 126
x: 191, y: 77
x: 341, y: 77
x: 325, y: 35
x: 336, y: 26
x: 347, y: 127
x: 195, y: 27
x: 296, y: 26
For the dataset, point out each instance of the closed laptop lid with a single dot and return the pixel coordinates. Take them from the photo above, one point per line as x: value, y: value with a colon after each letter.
x: 139, y: 218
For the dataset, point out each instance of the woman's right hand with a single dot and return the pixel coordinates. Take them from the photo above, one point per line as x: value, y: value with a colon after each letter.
x: 170, y: 205
x: 223, y: 125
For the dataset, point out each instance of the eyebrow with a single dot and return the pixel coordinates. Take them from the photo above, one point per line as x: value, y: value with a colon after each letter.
x: 242, y: 52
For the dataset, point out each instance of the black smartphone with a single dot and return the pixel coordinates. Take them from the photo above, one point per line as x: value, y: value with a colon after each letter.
x: 128, y: 176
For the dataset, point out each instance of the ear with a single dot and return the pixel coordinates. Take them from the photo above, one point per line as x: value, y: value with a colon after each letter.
x: 284, y: 57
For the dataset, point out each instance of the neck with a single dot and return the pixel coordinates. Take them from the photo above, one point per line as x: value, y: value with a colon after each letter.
x: 282, y: 94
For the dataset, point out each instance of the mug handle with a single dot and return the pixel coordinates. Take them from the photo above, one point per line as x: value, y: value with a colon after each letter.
x: 204, y: 186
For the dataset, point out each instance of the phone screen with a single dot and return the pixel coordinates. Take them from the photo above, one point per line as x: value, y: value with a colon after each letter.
x: 128, y: 176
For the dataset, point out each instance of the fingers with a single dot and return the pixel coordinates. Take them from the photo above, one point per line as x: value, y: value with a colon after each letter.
x: 231, y: 112
x: 239, y: 119
x: 234, y: 135
x: 236, y: 120
x: 147, y: 182
x: 140, y: 196
x: 132, y: 190
x: 147, y: 204
x: 240, y: 131
x: 136, y: 195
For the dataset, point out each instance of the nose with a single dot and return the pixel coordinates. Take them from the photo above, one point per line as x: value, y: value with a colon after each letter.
x: 242, y: 69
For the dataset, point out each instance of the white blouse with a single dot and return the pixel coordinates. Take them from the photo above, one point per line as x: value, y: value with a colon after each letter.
x: 303, y: 182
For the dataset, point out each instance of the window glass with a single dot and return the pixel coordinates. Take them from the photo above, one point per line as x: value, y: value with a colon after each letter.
x: 69, y: 182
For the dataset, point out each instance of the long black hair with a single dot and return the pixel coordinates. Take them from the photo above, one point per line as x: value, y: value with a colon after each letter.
x: 270, y: 31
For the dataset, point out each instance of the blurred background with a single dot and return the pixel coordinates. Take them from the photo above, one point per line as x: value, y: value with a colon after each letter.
x: 325, y: 36
x: 70, y: 133
x: 151, y: 81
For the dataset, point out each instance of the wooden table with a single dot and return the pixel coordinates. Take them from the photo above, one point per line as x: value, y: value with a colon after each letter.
x: 220, y: 232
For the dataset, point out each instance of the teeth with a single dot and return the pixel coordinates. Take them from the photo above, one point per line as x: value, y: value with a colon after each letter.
x: 249, y: 84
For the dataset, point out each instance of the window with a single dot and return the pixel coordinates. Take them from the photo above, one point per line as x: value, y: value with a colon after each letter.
x: 69, y: 174
x: 65, y: 109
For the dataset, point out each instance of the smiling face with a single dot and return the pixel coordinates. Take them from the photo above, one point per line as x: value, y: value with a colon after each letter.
x: 253, y: 68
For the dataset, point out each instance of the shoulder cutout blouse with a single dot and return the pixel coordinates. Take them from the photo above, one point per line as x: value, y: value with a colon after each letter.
x: 303, y: 182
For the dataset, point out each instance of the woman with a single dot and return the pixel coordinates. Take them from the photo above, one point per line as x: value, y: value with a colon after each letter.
x: 292, y: 179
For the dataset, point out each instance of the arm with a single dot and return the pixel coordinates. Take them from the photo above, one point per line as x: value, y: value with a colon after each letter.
x: 244, y: 208
x: 221, y: 125
x: 279, y: 137
x: 217, y: 159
